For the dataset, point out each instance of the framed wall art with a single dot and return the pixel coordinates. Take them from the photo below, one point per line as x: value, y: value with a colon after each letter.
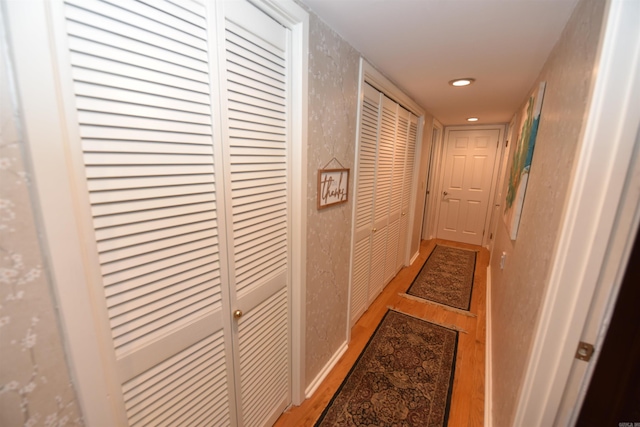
x: 333, y: 187
x: 521, y: 160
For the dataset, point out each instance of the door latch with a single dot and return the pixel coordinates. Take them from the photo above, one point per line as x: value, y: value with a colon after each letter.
x: 584, y: 351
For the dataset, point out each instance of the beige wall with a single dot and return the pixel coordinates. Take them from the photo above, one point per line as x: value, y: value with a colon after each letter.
x: 35, y: 386
x: 518, y: 290
x: 333, y: 102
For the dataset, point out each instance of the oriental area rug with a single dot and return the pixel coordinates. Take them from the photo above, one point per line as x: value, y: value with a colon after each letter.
x: 403, y: 377
x: 446, y: 277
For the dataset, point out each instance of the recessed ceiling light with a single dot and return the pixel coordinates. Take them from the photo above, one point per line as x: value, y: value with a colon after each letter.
x: 472, y: 119
x: 462, y: 82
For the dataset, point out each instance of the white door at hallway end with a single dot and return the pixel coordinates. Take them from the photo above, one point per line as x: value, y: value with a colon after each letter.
x: 469, y: 157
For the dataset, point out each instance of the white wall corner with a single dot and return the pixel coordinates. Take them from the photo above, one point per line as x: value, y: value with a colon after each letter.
x: 313, y: 386
x: 488, y: 400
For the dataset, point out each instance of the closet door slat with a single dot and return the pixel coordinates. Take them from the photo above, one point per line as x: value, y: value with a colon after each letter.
x: 187, y: 11
x: 171, y: 31
x: 407, y: 188
x: 141, y: 83
x: 258, y: 132
x: 382, y: 195
x: 364, y: 201
x: 118, y: 68
x: 140, y: 79
x: 395, y: 199
x: 141, y: 111
x: 90, y: 91
x: 145, y: 60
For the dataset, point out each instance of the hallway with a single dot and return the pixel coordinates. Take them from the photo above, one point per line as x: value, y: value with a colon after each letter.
x: 467, y: 403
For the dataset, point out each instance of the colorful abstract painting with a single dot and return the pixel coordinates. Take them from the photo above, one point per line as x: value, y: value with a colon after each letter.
x: 521, y: 161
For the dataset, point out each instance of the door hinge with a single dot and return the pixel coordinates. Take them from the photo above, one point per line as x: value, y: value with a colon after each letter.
x: 482, y: 233
x: 497, y: 143
x: 584, y: 351
x: 507, y: 144
x: 491, y: 236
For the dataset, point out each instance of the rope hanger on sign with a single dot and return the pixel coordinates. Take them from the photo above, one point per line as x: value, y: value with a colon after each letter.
x: 337, y: 161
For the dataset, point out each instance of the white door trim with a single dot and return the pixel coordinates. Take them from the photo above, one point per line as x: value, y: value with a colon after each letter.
x: 429, y: 215
x: 601, y: 173
x: 415, y: 181
x: 494, y: 173
x: 430, y: 220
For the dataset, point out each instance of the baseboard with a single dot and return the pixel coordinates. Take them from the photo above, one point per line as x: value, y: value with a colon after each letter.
x: 325, y: 371
x: 414, y: 257
x: 488, y: 401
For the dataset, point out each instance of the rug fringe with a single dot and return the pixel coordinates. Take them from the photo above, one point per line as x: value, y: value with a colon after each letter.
x: 446, y: 307
x: 448, y: 326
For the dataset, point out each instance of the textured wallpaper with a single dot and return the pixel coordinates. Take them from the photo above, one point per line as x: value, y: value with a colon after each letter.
x: 35, y: 387
x: 333, y: 101
x: 518, y: 290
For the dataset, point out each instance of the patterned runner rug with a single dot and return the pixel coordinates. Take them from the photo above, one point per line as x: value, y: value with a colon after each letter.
x: 403, y: 377
x: 446, y: 277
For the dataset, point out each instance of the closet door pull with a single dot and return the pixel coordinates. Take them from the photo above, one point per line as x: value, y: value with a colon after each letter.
x: 237, y: 314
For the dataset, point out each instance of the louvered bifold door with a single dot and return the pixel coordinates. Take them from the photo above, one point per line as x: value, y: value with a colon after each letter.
x: 365, y: 187
x: 384, y: 176
x: 256, y: 75
x: 407, y: 190
x: 141, y: 81
x: 395, y: 200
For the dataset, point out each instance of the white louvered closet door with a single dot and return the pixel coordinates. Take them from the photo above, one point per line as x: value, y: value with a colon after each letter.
x: 141, y: 82
x: 369, y: 133
x: 256, y: 76
x: 384, y: 176
x: 395, y: 200
x: 407, y: 189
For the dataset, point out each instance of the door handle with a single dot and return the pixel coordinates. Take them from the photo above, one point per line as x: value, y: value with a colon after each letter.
x: 237, y: 314
x: 444, y: 193
x: 374, y: 230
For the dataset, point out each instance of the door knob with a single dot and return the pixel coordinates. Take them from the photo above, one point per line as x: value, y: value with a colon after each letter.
x: 374, y: 230
x: 237, y: 314
x: 403, y: 214
x: 444, y: 193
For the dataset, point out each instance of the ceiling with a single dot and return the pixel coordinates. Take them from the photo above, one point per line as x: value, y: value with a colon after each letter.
x: 423, y: 44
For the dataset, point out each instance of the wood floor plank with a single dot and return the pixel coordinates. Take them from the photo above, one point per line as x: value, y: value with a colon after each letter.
x: 467, y: 402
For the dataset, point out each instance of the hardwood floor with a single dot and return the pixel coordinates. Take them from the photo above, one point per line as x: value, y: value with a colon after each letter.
x: 467, y: 403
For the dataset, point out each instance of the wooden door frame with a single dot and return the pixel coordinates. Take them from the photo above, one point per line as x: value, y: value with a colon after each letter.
x: 494, y: 174
x: 44, y: 90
